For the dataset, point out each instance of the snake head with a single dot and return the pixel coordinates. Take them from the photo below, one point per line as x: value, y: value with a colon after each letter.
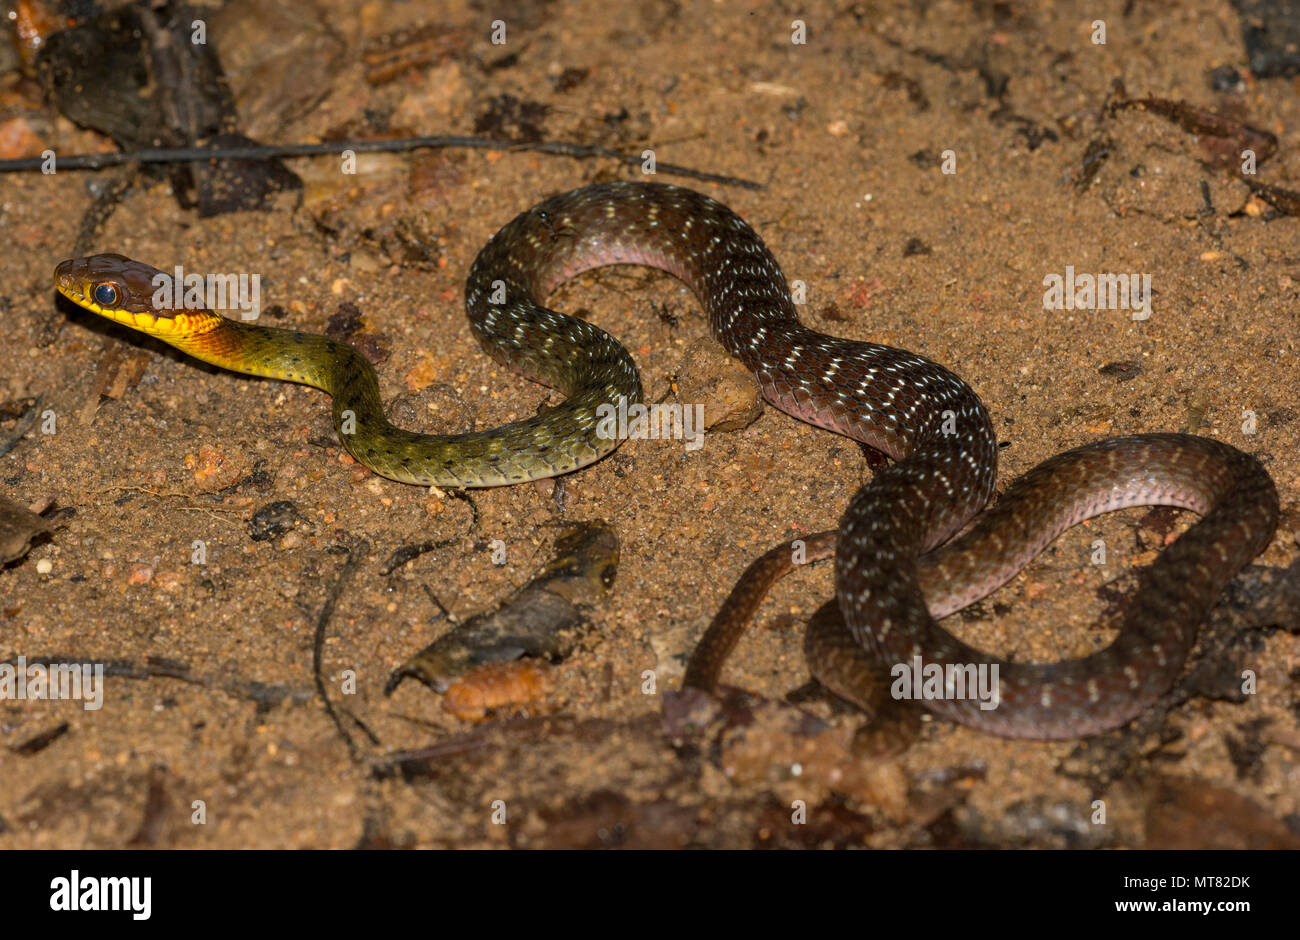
x: 131, y: 293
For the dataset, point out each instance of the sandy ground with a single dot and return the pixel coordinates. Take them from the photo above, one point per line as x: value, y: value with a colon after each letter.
x: 151, y: 453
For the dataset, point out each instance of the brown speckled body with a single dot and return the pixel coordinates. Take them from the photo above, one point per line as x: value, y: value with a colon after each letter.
x: 890, y: 583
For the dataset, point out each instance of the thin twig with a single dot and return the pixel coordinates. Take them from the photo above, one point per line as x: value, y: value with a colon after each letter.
x: 24, y: 424
x: 355, y: 553
x: 97, y: 161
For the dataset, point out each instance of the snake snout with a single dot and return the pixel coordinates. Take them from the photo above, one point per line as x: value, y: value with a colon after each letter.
x: 70, y: 277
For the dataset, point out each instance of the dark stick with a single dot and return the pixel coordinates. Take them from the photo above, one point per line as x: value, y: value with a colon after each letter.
x: 97, y: 161
x: 355, y: 553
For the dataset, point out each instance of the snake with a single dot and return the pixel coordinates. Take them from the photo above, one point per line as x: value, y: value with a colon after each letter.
x: 916, y: 542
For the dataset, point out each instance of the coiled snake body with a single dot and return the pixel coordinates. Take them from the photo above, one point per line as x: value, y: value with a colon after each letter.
x: 890, y: 581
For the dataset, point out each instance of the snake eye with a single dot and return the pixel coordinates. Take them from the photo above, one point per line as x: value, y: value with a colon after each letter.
x: 106, y: 294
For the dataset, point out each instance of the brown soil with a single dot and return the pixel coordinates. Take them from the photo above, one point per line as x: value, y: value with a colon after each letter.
x: 155, y: 452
